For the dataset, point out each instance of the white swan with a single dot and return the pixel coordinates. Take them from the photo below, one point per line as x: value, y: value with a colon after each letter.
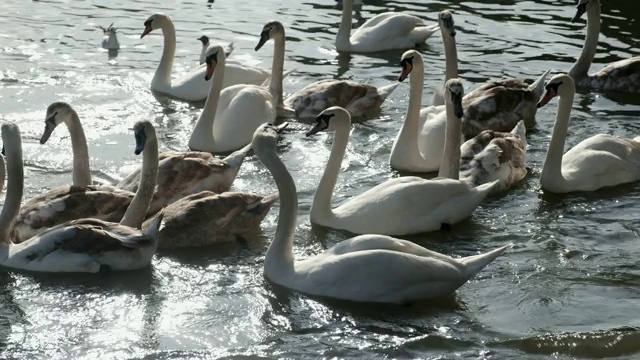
x: 179, y: 174
x: 366, y: 268
x: 229, y: 116
x: 110, y: 39
x: 85, y: 245
x: 386, y: 31
x: 400, y: 206
x: 448, y: 31
x: 359, y: 99
x: 494, y: 155
x: 204, y: 39
x: 599, y: 161
x: 191, y: 86
x: 622, y: 75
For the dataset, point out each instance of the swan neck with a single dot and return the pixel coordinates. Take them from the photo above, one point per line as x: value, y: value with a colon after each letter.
x: 581, y: 66
x: 279, y: 257
x: 277, y: 69
x: 15, y: 188
x: 344, y: 31
x: 204, y: 124
x: 450, y: 56
x: 552, y: 168
x: 322, y: 200
x: 81, y: 170
x: 137, y: 210
x: 410, y: 129
x: 450, y: 164
x: 162, y: 77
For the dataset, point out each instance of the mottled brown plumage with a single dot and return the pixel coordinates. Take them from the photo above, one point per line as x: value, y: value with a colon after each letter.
x: 188, y: 172
x: 358, y: 98
x: 623, y: 76
x: 494, y: 155
x: 208, y: 218
x: 70, y: 202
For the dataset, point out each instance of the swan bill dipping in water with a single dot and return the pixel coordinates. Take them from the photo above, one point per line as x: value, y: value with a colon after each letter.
x: 596, y: 162
x: 192, y: 85
x: 84, y: 245
x: 401, y: 206
x: 366, y: 268
x: 359, y: 99
x: 620, y: 76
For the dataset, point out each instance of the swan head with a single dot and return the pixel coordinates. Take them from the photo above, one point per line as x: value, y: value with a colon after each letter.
x: 582, y: 8
x: 270, y: 30
x: 445, y: 20
x: 406, y: 62
x: 558, y: 85
x: 57, y: 113
x: 455, y: 92
x: 331, y: 119
x: 266, y: 135
x: 143, y: 131
x: 155, y: 21
x: 204, y: 39
x: 212, y: 57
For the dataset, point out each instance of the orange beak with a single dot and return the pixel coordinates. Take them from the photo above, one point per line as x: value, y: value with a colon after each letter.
x: 405, y: 72
x: 546, y: 97
x: 147, y: 29
x: 210, y: 69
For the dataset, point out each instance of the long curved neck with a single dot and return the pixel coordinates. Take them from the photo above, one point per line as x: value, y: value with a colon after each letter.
x: 15, y: 187
x: 208, y: 114
x: 344, y: 31
x: 552, y: 168
x: 450, y: 56
x: 581, y: 66
x: 279, y: 256
x: 277, y: 68
x: 411, y: 126
x: 450, y: 164
x: 321, y: 206
x: 162, y: 77
x: 2, y: 173
x: 137, y: 210
x: 81, y: 170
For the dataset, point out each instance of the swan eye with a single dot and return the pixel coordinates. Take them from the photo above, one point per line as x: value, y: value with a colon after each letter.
x: 407, y: 60
x: 553, y: 86
x: 148, y: 22
x: 211, y: 58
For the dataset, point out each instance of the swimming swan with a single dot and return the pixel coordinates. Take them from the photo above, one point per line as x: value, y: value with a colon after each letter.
x: 204, y: 39
x: 85, y: 245
x: 599, y: 161
x: 400, y: 206
x: 366, y: 268
x: 191, y: 86
x: 386, y: 31
x: 229, y: 116
x: 494, y: 155
x: 179, y: 174
x: 359, y: 99
x: 622, y: 75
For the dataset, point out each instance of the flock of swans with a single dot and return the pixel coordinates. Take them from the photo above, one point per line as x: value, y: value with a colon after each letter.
x: 475, y: 141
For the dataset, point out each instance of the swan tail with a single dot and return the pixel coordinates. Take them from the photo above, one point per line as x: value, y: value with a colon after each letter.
x: 267, y: 81
x: 153, y: 229
x: 431, y: 29
x: 473, y: 264
x: 521, y: 131
x: 538, y: 86
x: 485, y: 188
x: 236, y: 158
x: 637, y: 139
x: 386, y: 90
x: 264, y: 203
